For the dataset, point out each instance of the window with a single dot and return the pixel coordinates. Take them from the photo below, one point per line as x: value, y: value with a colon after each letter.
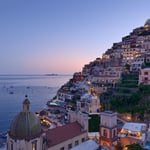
x: 62, y: 148
x: 105, y: 123
x: 7, y: 145
x: 76, y: 142
x: 69, y: 146
x: 44, y: 144
x: 105, y: 132
x: 114, y: 133
x: 83, y: 139
x: 34, y: 145
x: 27, y: 107
x: 82, y: 104
x: 145, y: 73
x: 146, y: 79
x: 11, y: 145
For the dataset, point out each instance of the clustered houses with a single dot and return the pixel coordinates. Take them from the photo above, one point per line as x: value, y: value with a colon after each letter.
x: 26, y: 133
x: 137, y: 63
x: 83, y: 90
x: 72, y: 91
x: 65, y: 94
x: 133, y: 51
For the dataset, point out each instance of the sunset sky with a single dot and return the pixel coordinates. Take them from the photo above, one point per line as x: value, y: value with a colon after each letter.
x: 60, y: 36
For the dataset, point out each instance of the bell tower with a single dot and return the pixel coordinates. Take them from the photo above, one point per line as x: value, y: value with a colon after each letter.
x: 108, y: 128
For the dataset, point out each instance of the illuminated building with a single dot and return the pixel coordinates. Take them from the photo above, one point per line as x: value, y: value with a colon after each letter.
x: 108, y: 128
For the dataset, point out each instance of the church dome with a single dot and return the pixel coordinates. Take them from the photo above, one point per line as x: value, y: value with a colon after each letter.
x: 25, y: 125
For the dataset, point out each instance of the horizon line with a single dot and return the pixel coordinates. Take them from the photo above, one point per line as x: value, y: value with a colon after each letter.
x: 35, y: 74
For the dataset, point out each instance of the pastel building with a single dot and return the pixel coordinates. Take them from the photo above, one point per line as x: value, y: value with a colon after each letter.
x: 89, y: 103
x: 26, y: 133
x: 137, y: 63
x: 108, y: 129
x: 80, y: 117
x: 65, y: 137
x: 144, y: 76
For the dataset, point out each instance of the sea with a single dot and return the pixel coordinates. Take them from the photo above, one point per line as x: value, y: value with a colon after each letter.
x: 14, y: 88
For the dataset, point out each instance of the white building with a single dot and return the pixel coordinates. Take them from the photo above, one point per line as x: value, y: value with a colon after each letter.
x: 137, y: 63
x: 88, y: 103
x: 133, y: 133
x: 134, y: 130
x: 64, y: 95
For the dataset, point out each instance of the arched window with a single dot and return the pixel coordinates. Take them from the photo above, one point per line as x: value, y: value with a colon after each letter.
x: 114, y: 133
x: 105, y: 133
x: 11, y: 145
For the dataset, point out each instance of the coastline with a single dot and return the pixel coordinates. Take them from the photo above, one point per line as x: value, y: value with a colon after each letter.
x: 13, y: 91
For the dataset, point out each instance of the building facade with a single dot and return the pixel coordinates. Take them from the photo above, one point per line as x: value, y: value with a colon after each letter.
x: 108, y: 129
x: 144, y: 76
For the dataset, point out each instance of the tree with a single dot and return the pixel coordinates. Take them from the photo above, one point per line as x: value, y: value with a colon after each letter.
x: 127, y: 67
x: 134, y: 147
x: 119, y: 146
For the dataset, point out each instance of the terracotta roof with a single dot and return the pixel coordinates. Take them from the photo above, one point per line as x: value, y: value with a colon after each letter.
x: 63, y: 133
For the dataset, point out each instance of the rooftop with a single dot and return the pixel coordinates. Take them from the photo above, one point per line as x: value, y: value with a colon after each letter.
x: 147, y: 68
x: 88, y: 145
x: 108, y: 112
x: 63, y: 133
x: 134, y: 126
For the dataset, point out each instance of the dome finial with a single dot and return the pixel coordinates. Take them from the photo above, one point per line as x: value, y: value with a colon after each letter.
x: 26, y: 104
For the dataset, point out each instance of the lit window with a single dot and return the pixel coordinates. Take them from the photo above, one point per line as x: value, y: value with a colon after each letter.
x: 105, y: 133
x: 34, y: 145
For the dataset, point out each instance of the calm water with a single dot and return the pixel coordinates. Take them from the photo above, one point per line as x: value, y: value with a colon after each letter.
x: 14, y: 88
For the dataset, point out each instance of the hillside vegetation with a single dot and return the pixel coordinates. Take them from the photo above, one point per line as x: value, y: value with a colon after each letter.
x: 129, y: 97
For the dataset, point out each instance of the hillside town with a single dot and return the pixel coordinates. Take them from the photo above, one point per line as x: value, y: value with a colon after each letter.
x: 105, y: 106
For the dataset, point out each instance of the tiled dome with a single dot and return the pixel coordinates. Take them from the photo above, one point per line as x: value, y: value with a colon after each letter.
x: 25, y: 125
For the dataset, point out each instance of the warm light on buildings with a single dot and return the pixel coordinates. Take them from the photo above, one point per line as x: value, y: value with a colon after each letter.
x: 128, y: 117
x: 125, y: 148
